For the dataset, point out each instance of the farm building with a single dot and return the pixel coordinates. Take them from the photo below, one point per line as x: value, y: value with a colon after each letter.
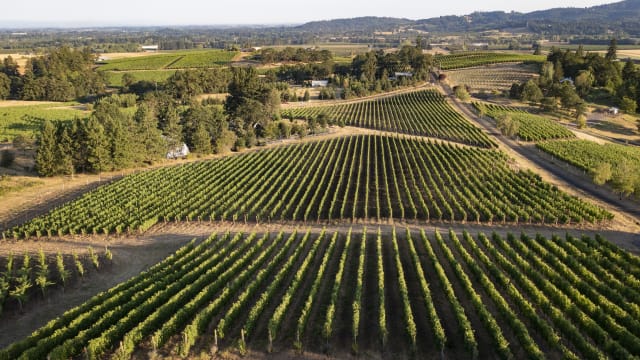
x: 614, y: 111
x: 178, y: 152
x: 403, y: 74
x: 319, y: 83
x: 150, y: 47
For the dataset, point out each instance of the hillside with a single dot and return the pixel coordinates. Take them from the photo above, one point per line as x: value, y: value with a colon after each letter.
x: 620, y: 16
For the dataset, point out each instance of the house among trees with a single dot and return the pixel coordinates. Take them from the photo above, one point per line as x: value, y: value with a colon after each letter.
x: 319, y: 83
x: 180, y: 151
x: 614, y: 110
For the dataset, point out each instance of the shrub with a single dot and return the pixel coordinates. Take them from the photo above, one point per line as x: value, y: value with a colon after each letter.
x: 7, y: 157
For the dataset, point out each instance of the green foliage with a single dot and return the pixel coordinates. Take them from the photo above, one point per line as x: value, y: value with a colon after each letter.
x: 46, y: 156
x: 42, y: 273
x: 93, y: 256
x: 62, y: 74
x: 601, y: 173
x: 7, y: 157
x: 461, y: 93
x: 120, y: 78
x: 63, y: 273
x: 628, y: 105
x: 78, y: 265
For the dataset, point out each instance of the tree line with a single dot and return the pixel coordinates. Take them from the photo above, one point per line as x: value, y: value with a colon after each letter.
x: 62, y: 74
x: 568, y: 77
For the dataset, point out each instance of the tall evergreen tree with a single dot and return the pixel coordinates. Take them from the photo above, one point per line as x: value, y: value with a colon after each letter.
x: 64, y: 151
x: 149, y: 137
x: 97, y: 147
x: 612, y: 52
x: 202, y: 140
x: 5, y: 86
x: 172, y: 129
x: 46, y: 154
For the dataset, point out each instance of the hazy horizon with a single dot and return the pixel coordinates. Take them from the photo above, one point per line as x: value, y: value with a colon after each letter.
x: 74, y: 13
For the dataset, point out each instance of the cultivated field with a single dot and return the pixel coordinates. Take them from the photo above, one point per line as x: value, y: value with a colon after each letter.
x: 587, y: 155
x: 348, y: 178
x: 480, y: 58
x: 491, y: 78
x: 424, y: 113
x: 530, y: 127
x: 403, y: 294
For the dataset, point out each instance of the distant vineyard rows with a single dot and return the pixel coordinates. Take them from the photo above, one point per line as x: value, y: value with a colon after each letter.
x: 530, y: 127
x: 471, y: 59
x: 423, y: 113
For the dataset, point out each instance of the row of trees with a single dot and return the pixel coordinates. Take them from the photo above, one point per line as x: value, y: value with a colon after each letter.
x: 113, y: 138
x: 62, y: 74
x: 272, y: 55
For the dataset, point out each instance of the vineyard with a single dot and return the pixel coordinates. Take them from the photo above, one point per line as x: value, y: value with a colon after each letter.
x: 424, y: 113
x: 408, y: 294
x: 491, y: 78
x: 347, y: 178
x: 480, y: 58
x: 173, y: 60
x: 31, y: 276
x: 588, y: 154
x: 530, y: 127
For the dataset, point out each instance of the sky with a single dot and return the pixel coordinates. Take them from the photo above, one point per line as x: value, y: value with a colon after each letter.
x: 201, y: 12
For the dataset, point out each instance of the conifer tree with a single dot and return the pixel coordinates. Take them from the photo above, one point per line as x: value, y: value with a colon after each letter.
x: 148, y: 135
x: 97, y: 147
x: 202, y: 140
x: 46, y: 154
x: 172, y: 129
x: 64, y: 152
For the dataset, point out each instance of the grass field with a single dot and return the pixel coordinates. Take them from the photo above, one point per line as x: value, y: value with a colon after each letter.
x: 27, y: 119
x: 403, y: 294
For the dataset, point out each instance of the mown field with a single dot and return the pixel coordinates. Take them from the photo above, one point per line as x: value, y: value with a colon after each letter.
x: 347, y: 178
x: 27, y: 119
x: 410, y: 294
x: 480, y: 58
x: 424, y: 113
x: 531, y: 127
